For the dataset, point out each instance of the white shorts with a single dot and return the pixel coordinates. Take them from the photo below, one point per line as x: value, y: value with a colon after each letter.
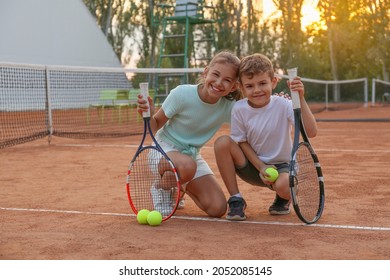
x: 202, y: 166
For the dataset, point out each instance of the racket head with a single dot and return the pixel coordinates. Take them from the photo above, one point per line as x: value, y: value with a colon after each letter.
x: 153, y: 182
x: 306, y: 184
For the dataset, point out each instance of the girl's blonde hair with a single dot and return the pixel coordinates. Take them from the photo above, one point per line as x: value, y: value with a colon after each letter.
x: 227, y: 57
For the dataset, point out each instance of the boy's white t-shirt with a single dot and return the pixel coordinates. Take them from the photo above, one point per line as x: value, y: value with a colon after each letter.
x: 192, y: 122
x: 267, y: 129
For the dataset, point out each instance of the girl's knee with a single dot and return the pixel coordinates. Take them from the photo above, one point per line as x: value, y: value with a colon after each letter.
x: 186, y: 173
x: 217, y: 211
x: 188, y: 165
x: 186, y: 170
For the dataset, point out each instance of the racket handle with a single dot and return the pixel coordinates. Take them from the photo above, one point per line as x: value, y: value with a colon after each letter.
x: 292, y: 73
x: 145, y: 93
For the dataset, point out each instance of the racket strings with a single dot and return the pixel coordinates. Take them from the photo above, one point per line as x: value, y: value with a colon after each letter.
x: 152, y: 183
x: 307, y: 185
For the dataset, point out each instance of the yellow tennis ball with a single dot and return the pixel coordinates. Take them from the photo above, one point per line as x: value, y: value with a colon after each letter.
x: 154, y: 218
x: 142, y: 216
x: 273, y: 174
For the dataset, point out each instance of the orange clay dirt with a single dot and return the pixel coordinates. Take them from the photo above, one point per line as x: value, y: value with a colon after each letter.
x: 67, y: 200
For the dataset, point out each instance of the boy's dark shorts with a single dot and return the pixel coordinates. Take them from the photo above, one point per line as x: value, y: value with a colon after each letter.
x: 250, y: 174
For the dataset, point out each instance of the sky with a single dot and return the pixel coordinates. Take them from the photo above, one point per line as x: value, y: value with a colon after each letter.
x: 309, y: 11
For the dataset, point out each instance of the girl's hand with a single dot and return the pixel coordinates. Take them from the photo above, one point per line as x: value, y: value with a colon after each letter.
x: 282, y: 94
x: 143, y: 106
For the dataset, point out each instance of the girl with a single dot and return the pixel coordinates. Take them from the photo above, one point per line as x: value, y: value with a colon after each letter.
x: 189, y: 118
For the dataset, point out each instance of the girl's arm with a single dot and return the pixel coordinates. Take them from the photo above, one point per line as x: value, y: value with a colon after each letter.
x: 158, y: 119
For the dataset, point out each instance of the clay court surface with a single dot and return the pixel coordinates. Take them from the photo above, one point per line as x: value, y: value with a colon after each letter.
x: 67, y: 200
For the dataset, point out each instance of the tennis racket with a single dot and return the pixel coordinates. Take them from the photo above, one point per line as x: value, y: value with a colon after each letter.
x: 305, y: 175
x: 152, y: 180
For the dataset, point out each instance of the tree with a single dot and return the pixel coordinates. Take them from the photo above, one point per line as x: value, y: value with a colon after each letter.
x: 354, y: 43
x: 228, y: 36
x: 292, y: 34
x: 375, y: 25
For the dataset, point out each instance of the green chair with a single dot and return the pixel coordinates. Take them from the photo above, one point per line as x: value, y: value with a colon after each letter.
x: 113, y: 95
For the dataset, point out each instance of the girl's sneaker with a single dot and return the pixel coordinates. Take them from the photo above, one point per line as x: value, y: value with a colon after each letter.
x: 162, y: 200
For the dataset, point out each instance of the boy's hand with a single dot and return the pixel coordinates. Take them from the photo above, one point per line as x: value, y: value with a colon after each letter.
x: 264, y: 175
x: 296, y: 85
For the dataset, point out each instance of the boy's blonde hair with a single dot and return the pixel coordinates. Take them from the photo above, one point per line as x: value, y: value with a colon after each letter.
x: 227, y: 57
x: 255, y: 64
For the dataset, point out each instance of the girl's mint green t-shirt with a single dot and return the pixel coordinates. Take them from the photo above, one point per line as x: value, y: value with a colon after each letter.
x: 192, y: 122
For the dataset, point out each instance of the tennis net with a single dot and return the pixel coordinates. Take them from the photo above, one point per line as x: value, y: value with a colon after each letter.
x: 38, y: 101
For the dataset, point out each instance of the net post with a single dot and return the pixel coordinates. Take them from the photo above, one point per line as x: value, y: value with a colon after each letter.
x: 366, y: 93
x: 373, y: 92
x: 48, y: 106
x: 326, y: 97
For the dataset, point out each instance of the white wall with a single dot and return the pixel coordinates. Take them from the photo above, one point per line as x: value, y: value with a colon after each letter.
x: 52, y: 32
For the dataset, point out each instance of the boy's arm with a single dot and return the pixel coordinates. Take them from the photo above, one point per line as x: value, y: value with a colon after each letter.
x: 254, y: 159
x: 308, y: 119
x: 251, y: 155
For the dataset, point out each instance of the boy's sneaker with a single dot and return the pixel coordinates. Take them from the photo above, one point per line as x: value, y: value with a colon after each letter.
x: 237, y: 206
x: 162, y: 200
x: 280, y: 206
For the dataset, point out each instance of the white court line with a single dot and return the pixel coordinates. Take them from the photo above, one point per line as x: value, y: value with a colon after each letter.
x: 353, y: 150
x: 106, y: 145
x: 203, y: 219
x: 365, y: 129
x: 211, y: 147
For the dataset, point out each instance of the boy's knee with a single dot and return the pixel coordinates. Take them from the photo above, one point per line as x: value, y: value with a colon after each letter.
x: 222, y: 143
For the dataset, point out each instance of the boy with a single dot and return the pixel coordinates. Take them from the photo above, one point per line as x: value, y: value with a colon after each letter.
x: 260, y: 136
